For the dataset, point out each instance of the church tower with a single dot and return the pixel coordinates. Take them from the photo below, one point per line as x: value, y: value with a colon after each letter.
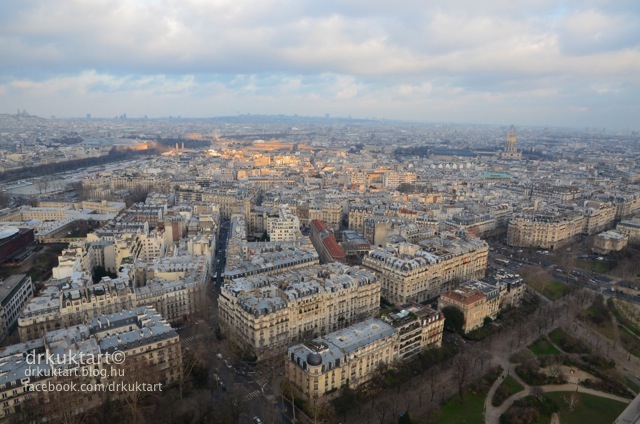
x: 510, y: 147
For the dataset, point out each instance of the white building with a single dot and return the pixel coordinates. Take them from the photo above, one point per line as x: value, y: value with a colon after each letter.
x: 284, y: 227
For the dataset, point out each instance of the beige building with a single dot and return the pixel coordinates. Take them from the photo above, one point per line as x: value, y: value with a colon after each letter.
x: 481, y: 299
x: 471, y: 302
x: 418, y: 327
x: 631, y: 228
x: 319, y: 369
x: 549, y: 231
x: 331, y: 214
x: 269, y: 312
x: 152, y: 357
x: 357, y: 215
x: 598, y: 216
x: 381, y: 231
x: 172, y: 285
x: 416, y: 273
x: 609, y: 241
x: 393, y: 179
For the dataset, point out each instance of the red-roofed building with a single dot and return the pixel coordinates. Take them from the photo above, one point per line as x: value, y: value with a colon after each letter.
x: 472, y: 303
x: 324, y: 240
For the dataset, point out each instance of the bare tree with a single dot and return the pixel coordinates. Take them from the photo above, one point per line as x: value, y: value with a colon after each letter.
x: 537, y: 392
x: 432, y: 382
x: 65, y: 406
x: 572, y: 400
x: 136, y: 370
x: 43, y: 185
x: 235, y: 401
x: 382, y: 408
x: 193, y: 356
x: 462, y: 366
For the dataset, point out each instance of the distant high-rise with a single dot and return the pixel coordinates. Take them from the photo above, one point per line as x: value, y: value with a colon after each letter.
x: 510, y: 147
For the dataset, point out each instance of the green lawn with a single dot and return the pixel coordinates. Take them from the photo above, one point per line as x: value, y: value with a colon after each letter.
x: 599, y: 267
x: 552, y: 289
x: 633, y: 386
x: 507, y: 388
x: 468, y: 412
x: 589, y: 409
x: 629, y: 341
x: 542, y: 346
x: 566, y: 342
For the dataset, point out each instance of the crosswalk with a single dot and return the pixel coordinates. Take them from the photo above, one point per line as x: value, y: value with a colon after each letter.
x: 191, y: 338
x: 252, y: 395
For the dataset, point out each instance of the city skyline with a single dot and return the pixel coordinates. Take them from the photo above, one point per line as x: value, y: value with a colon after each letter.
x: 573, y: 64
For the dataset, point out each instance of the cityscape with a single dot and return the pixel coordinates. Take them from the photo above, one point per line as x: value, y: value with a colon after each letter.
x: 250, y: 263
x: 226, y: 213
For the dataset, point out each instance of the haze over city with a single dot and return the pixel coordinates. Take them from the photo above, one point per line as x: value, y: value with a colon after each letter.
x: 570, y: 63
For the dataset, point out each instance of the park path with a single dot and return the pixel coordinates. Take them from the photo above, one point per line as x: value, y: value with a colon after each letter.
x: 417, y: 397
x: 494, y: 418
x: 492, y: 414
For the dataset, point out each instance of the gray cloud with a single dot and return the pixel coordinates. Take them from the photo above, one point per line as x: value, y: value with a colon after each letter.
x: 494, y: 61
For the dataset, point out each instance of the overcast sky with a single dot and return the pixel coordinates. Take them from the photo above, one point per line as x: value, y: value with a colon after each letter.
x: 524, y: 62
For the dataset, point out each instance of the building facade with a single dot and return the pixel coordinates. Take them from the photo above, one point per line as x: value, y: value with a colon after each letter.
x: 548, y: 231
x: 416, y: 273
x: 269, y: 312
x: 352, y: 357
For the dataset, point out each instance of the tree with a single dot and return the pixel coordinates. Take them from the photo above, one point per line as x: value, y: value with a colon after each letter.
x: 235, y: 401
x: 405, y: 418
x: 345, y: 402
x: 572, y: 400
x: 453, y: 319
x: 462, y: 367
x: 43, y: 185
x: 194, y: 358
x: 5, y: 199
x: 382, y: 408
x: 135, y: 370
x: 65, y: 406
x: 537, y: 392
x: 487, y: 322
x: 432, y: 382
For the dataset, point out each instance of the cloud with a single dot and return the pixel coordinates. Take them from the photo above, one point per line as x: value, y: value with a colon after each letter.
x: 362, y: 58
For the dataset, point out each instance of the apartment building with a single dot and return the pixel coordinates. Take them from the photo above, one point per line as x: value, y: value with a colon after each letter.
x: 416, y: 273
x: 418, y: 327
x: 317, y: 370
x: 598, y: 216
x: 15, y: 291
x: 481, y: 299
x: 473, y: 304
x: 173, y: 285
x: 153, y: 356
x: 284, y: 227
x: 357, y: 215
x: 325, y: 243
x: 631, y: 228
x: 330, y: 214
x: 544, y: 231
x: 393, y: 179
x: 269, y: 312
